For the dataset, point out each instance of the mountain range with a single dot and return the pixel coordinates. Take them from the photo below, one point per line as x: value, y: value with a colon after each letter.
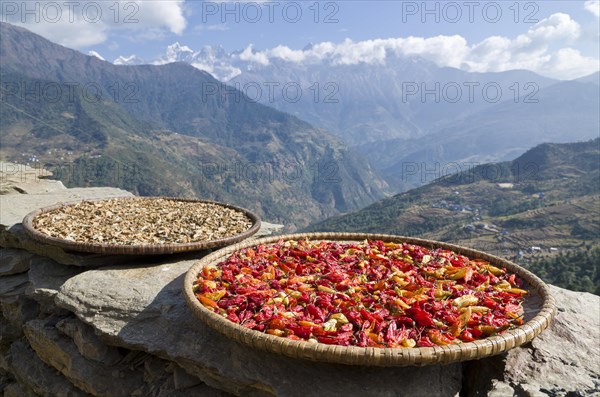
x: 170, y: 130
x: 407, y: 110
x: 176, y: 130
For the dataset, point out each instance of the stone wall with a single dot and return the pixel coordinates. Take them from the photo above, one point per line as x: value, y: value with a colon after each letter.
x: 77, y: 324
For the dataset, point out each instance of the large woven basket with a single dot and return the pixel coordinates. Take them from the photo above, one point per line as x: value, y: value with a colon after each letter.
x: 137, y: 249
x: 539, y: 311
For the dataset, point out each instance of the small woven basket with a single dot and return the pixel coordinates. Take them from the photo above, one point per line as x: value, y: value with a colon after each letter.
x: 539, y: 311
x: 137, y: 249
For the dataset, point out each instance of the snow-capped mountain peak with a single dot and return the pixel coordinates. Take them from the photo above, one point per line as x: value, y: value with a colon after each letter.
x: 95, y: 54
x: 130, y: 60
x: 178, y: 53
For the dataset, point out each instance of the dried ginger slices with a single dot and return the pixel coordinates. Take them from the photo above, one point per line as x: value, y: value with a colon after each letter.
x: 142, y: 220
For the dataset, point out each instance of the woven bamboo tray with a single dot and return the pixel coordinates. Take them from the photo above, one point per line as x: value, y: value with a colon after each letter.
x: 539, y: 309
x: 137, y: 249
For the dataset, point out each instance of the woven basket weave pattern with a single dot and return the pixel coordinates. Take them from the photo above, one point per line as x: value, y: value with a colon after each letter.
x: 537, y: 318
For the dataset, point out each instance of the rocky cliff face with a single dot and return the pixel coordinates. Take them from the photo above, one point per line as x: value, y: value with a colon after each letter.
x: 93, y: 325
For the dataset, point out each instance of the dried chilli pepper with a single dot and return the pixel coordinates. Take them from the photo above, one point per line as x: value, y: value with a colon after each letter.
x: 370, y: 293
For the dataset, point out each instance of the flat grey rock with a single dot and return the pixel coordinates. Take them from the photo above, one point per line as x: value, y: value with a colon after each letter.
x: 87, y: 342
x: 13, y: 261
x: 561, y: 362
x: 566, y: 357
x: 61, y: 353
x: 39, y: 377
x: 13, y: 286
x: 267, y: 229
x: 46, y: 277
x: 40, y: 186
x: 20, y: 310
x: 136, y: 303
x: 23, y: 179
x: 8, y: 334
x: 18, y: 390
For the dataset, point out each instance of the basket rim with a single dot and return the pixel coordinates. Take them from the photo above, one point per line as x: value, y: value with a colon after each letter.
x: 137, y: 249
x: 373, y: 356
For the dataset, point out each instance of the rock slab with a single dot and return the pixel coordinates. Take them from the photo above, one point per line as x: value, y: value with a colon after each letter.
x: 564, y: 359
x: 23, y: 179
x: 14, y: 261
x: 42, y: 379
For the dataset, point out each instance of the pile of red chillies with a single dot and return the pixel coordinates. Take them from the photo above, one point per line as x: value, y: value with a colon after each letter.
x: 370, y: 293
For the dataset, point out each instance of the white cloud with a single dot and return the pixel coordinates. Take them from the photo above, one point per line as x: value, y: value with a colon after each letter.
x: 166, y: 13
x: 369, y: 51
x: 538, y: 50
x: 557, y: 26
x: 443, y: 50
x: 258, y: 57
x: 532, y: 51
x: 78, y: 34
x: 593, y: 6
x: 570, y: 62
x: 287, y: 54
x: 83, y: 24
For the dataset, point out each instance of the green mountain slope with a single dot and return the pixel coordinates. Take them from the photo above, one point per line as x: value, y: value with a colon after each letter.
x: 542, y: 204
x: 85, y: 143
x: 174, y: 130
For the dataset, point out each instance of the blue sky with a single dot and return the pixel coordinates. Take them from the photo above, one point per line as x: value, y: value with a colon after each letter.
x: 554, y: 38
